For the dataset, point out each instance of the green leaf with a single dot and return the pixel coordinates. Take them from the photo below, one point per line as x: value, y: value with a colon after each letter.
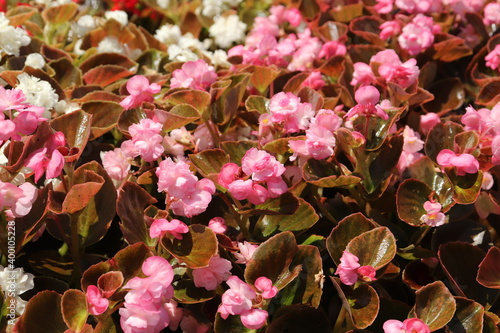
x: 186, y: 292
x: 105, y: 115
x: 280, y: 146
x: 110, y: 282
x: 434, y: 305
x: 375, y: 248
x: 467, y: 187
x: 410, y: 199
x: 259, y: 104
x: 42, y: 315
x: 232, y: 324
x: 468, y: 316
x: 60, y: 14
x: 489, y: 269
x: 74, y: 309
x: 196, y: 98
x: 347, y: 229
x: 209, y: 162
x: 302, y: 219
x: 132, y: 200
x: 180, y: 115
x: 325, y: 174
x: 285, y: 204
x: 262, y: 77
x: 362, y: 303
x: 237, y: 149
x: 272, y: 259
x: 196, y: 247
x: 441, y: 136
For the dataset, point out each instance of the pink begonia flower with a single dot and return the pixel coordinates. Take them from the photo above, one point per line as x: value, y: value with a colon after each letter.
x: 146, y: 139
x: 384, y: 6
x: 261, y: 165
x: 495, y: 149
x: 419, y: 6
x: 265, y: 286
x: 12, y: 99
x: 175, y: 314
x: 116, y: 165
x: 162, y: 226
x: 427, y: 122
x: 140, y: 90
x: 193, y: 74
x: 48, y: 159
x: 389, y: 29
x: 367, y: 98
x: 411, y: 325
x: 135, y: 318
x: 349, y: 270
x: 276, y: 186
x: 391, y: 69
x: 246, y: 252
x: 362, y: 75
x: 417, y: 35
x: 493, y: 58
x: 240, y: 188
x: 191, y: 325
x: 228, y: 174
x: 327, y: 119
x: 218, y: 225
x: 286, y: 109
x: 434, y: 216
x: 492, y: 13
x: 237, y: 299
x: 258, y: 194
x: 464, y: 163
x: 314, y: 81
x: 412, y: 142
x: 211, y: 277
x: 254, y: 318
x: 488, y: 181
x: 332, y: 48
x: 97, y: 304
x: 406, y: 159
x: 17, y: 200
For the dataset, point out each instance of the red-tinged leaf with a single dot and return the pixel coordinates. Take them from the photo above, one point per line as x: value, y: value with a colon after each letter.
x: 441, y: 136
x: 363, y: 53
x: 130, y: 117
x: 417, y: 274
x: 468, y: 316
x: 490, y: 322
x: 449, y: 94
x: 196, y: 247
x: 434, y: 305
x: 294, y: 84
x: 299, y: 318
x: 259, y: 104
x: 17, y: 15
x: 347, y: 229
x: 302, y: 219
x: 60, y: 14
x: 66, y: 74
x: 232, y: 324
x: 422, y: 96
x: 489, y: 269
x: 198, y: 99
x: 362, y: 304
x: 460, y: 261
x: 108, y: 59
x: 347, y: 13
x: 410, y: 199
x: 262, y: 77
x: 467, y: 187
x: 486, y: 204
x: 132, y: 200
x: 107, y: 325
x: 488, y: 95
x: 237, y: 149
x: 332, y: 30
x: 209, y: 162
x: 110, y: 282
x: 325, y: 174
x: 51, y: 263
x: 74, y: 309
x: 449, y: 48
x: 374, y: 248
x: 105, y: 75
x: 105, y: 115
x: 81, y: 194
x: 311, y: 96
x: 272, y: 259
x: 367, y: 27
x: 334, y: 67
x: 285, y: 204
x: 42, y: 315
x: 99, y: 96
x: 76, y: 128
x: 180, y: 115
x: 186, y: 292
x: 52, y: 53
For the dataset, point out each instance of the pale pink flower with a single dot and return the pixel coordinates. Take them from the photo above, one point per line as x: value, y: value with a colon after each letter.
x: 48, y: 159
x: 314, y: 81
x: 246, y: 252
x: 464, y: 163
x: 320, y: 142
x: 210, y: 277
x: 347, y: 269
x: 146, y: 139
x: 135, y: 318
x: 293, y: 16
x: 367, y: 98
x: 419, y: 6
x: 258, y: 194
x: 384, y: 6
x: 176, y: 228
x: 362, y: 75
x: 218, y: 225
x: 116, y: 165
x: 193, y: 74
x: 493, y: 58
x: 175, y: 314
x: 140, y: 90
x: 265, y: 287
x: 96, y: 303
x: 406, y: 159
x: 389, y: 29
x: 254, y: 318
x: 418, y: 35
x: 488, y: 181
x: 261, y: 165
x: 332, y: 48
x: 427, y: 121
x: 276, y: 186
x: 434, y: 216
x: 391, y: 69
x: 189, y: 324
x: 12, y: 99
x: 492, y: 13
x: 17, y: 200
x: 495, y: 149
x: 286, y: 109
x: 327, y: 119
x: 240, y: 188
x: 237, y: 299
x: 228, y: 174
x: 411, y: 325
x: 412, y: 142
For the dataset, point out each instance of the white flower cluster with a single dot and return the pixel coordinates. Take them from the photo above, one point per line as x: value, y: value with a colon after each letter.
x: 23, y: 283
x: 38, y: 92
x: 11, y: 39
x: 227, y: 29
x: 35, y: 60
x: 212, y: 8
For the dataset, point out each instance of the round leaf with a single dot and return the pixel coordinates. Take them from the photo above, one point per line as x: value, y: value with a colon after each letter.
x: 74, y: 309
x: 42, y: 315
x: 489, y: 269
x: 434, y: 305
x: 186, y: 292
x: 375, y: 248
x: 410, y: 199
x: 468, y: 317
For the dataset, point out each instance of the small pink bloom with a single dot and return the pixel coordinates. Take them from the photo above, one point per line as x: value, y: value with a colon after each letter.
x: 147, y: 139
x: 492, y: 13
x: 258, y: 194
x: 411, y: 325
x: 362, y: 75
x: 384, y: 6
x: 493, y: 58
x: 276, y: 186
x: 367, y: 273
x: 261, y: 165
x: 464, y: 163
x: 314, y: 81
x: 367, y: 98
x: 17, y: 200
x: 265, y: 286
x: 191, y: 325
x: 218, y: 225
x: 495, y: 149
x: 240, y: 188
x: 175, y: 314
x: 140, y: 91
x: 434, y: 216
x: 347, y: 269
x: 246, y: 252
x: 161, y: 226
x: 116, y: 165
x: 228, y: 174
x: 237, y: 299
x: 97, y: 304
x: 427, y: 121
x: 327, y: 119
x: 293, y: 16
x: 389, y: 29
x: 135, y: 318
x: 48, y: 159
x: 412, y: 142
x: 418, y: 35
x: 193, y: 74
x: 254, y: 318
x: 332, y: 48
x: 210, y: 277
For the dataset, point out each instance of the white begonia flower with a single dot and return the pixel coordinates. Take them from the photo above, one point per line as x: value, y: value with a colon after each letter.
x: 189, y: 41
x: 117, y: 15
x: 163, y: 4
x: 211, y: 8
x: 35, y: 60
x: 11, y: 39
x: 38, y: 92
x: 168, y: 34
x: 110, y: 44
x: 64, y: 107
x: 227, y: 30
x: 20, y: 281
x: 218, y: 58
x: 52, y: 3
x: 176, y: 53
x: 84, y: 24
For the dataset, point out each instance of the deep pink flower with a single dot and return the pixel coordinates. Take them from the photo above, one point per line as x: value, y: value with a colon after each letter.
x: 367, y: 98
x: 411, y: 325
x: 384, y: 6
x: 347, y: 269
x: 258, y: 194
x: 210, y: 277
x: 161, y: 226
x: 228, y: 174
x: 48, y: 159
x: 193, y: 74
x: 493, y: 58
x: 389, y: 29
x: 261, y: 165
x: 254, y: 318
x: 464, y: 163
x: 140, y: 90
x: 97, y: 304
x: 332, y: 48
x: 218, y: 225
x: 246, y: 252
x: 265, y: 286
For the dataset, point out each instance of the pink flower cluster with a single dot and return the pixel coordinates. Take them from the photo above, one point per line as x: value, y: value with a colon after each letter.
x: 286, y: 110
x: 410, y: 325
x: 140, y: 90
x: 17, y: 200
x: 97, y: 303
x: 367, y: 98
x: 49, y: 159
x: 434, y: 216
x: 160, y: 227
x: 25, y: 122
x: 493, y: 58
x: 464, y: 163
x: 146, y: 141
x: 193, y: 74
x: 411, y: 147
x: 418, y: 35
x: 210, y: 277
x: 259, y: 167
x: 240, y: 297
x: 116, y: 165
x: 349, y: 270
x: 146, y: 304
x: 186, y: 195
